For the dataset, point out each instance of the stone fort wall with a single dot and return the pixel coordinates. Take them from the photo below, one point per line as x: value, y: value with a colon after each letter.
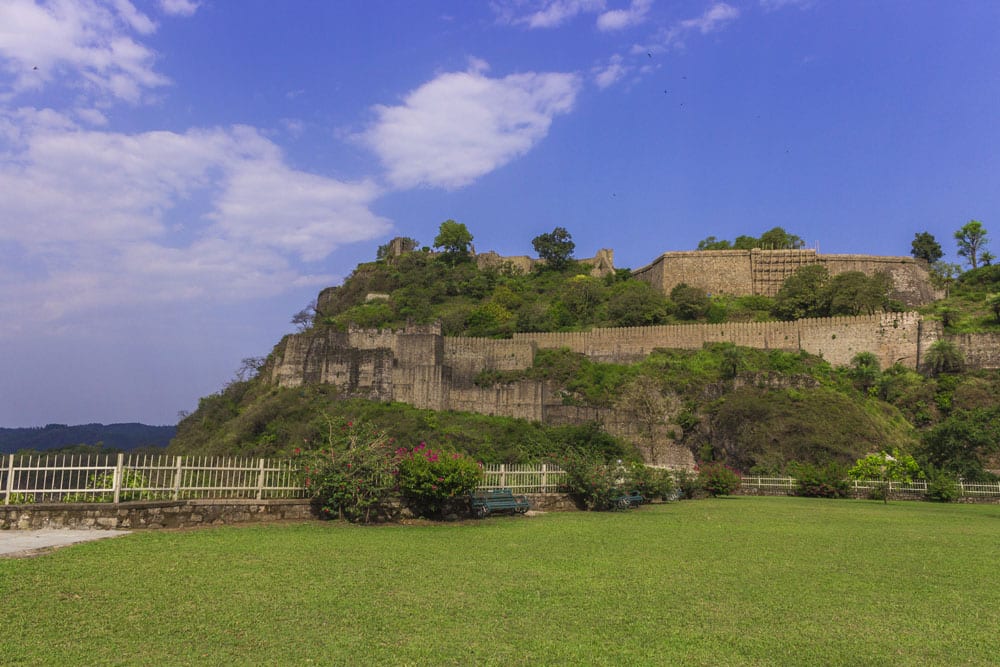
x: 762, y: 272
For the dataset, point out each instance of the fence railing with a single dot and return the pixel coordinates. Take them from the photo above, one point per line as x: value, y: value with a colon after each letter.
x: 917, y: 487
x: 524, y: 478
x: 120, y: 478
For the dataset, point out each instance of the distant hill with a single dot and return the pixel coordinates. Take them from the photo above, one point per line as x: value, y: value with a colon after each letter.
x: 124, y: 437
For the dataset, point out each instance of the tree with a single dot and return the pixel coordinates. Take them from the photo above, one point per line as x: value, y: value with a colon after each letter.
x: 963, y: 442
x: 926, y: 247
x: 853, y: 293
x: 556, y: 247
x: 865, y: 370
x: 801, y: 292
x: 712, y: 243
x: 305, y: 317
x: 778, y: 239
x: 691, y: 302
x: 971, y: 240
x: 943, y: 274
x: 635, y: 303
x: 994, y: 303
x: 943, y: 357
x: 454, y: 240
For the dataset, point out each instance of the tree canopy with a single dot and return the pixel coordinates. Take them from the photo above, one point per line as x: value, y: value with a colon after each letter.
x: 454, y: 239
x: 926, y: 247
x: 971, y: 239
x: 773, y: 239
x: 555, y: 247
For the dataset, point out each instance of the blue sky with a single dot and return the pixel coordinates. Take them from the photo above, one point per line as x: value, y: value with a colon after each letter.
x: 179, y: 177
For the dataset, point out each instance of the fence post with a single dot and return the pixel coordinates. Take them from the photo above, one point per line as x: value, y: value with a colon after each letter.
x: 177, y: 479
x: 260, y: 481
x: 10, y: 480
x: 545, y: 480
x: 118, y: 477
x: 503, y: 474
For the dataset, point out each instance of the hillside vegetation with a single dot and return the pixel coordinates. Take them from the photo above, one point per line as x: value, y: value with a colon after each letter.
x: 756, y: 410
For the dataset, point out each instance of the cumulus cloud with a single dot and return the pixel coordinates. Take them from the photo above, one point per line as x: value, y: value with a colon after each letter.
x: 619, y: 19
x: 85, y: 43
x: 462, y: 125
x: 91, y: 218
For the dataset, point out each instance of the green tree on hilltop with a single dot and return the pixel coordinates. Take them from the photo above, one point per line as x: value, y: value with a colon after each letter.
x: 926, y: 247
x: 556, y: 247
x: 972, y: 241
x: 454, y: 240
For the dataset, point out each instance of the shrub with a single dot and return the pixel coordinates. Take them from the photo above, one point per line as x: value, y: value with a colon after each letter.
x: 432, y: 481
x: 942, y: 487
x: 15, y: 498
x: 814, y: 481
x: 352, y: 477
x: 652, y: 483
x: 592, y: 481
x: 718, y: 479
x: 688, y: 485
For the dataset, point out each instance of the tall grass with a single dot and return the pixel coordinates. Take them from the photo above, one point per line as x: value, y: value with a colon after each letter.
x: 736, y: 581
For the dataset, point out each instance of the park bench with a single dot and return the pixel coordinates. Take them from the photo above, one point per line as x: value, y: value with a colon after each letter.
x: 484, y: 503
x: 628, y: 501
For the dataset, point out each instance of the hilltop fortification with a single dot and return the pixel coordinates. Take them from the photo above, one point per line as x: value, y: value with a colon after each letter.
x: 762, y: 272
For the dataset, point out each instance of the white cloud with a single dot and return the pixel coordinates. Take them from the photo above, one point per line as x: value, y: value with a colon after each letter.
x: 91, y: 219
x: 545, y: 13
x: 610, y: 73
x: 462, y: 125
x: 179, y: 7
x: 715, y: 18
x: 83, y: 43
x: 619, y: 19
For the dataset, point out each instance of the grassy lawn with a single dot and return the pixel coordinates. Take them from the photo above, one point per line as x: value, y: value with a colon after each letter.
x: 734, y: 581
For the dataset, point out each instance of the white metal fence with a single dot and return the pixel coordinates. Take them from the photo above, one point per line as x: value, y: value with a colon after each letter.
x: 121, y: 478
x: 526, y: 478
x: 75, y: 478
x: 860, y: 486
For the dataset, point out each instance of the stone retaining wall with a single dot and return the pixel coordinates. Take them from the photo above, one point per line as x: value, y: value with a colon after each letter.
x: 152, y: 514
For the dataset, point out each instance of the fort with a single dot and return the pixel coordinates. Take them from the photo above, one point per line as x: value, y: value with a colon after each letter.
x: 762, y: 272
x: 423, y: 368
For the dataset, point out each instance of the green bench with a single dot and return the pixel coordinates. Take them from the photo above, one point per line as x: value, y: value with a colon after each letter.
x: 484, y: 503
x: 630, y: 500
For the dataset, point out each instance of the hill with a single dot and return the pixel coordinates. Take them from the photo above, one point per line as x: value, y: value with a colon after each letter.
x: 112, y: 437
x: 757, y: 409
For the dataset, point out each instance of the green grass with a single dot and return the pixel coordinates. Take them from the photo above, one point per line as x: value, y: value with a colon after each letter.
x: 733, y: 581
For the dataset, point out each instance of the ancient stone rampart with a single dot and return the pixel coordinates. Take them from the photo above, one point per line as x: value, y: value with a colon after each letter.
x: 762, y: 272
x: 421, y: 367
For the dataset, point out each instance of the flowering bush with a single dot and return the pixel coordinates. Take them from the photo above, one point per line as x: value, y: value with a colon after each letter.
x: 354, y: 474
x: 718, y: 480
x: 431, y: 481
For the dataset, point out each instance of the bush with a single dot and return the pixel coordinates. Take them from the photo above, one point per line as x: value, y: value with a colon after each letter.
x: 652, y: 483
x: 942, y: 487
x: 353, y: 476
x: 718, y: 479
x: 432, y: 482
x: 813, y: 481
x: 592, y: 481
x: 688, y: 485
